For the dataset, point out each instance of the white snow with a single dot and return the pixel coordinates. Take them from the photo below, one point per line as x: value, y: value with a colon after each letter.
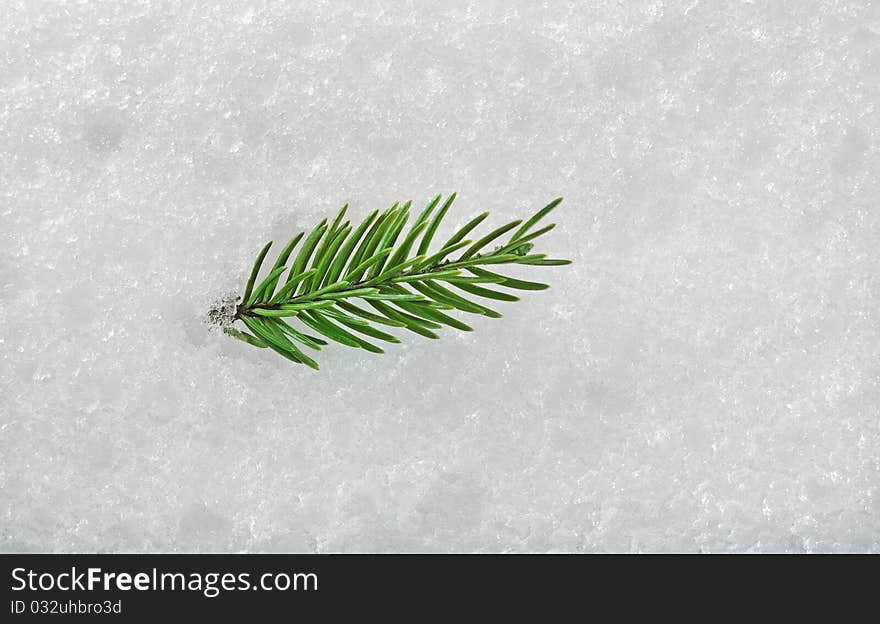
x: 705, y: 377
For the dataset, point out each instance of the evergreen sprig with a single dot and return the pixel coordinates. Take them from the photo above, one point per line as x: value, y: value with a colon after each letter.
x: 399, y: 280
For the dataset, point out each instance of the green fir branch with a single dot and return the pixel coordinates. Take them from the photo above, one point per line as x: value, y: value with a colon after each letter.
x: 391, y: 269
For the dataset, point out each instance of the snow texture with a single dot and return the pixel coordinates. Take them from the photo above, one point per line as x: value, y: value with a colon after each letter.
x: 704, y: 378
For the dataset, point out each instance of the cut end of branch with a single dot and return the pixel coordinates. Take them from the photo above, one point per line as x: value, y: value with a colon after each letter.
x: 224, y: 311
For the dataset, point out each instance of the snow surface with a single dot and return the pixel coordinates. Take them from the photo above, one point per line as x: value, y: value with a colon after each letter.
x: 703, y: 378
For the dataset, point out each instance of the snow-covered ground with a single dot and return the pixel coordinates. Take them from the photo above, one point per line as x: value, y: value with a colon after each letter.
x: 705, y: 377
